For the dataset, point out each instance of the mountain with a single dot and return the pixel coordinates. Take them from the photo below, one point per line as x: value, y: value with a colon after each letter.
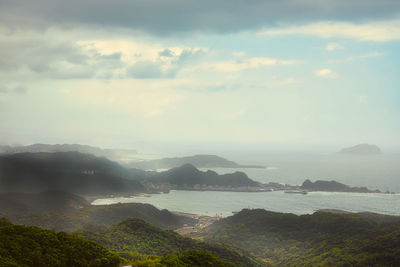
x: 333, y: 186
x: 141, y: 237
x: 49, y: 201
x: 199, y: 161
x: 113, y: 154
x: 66, y: 171
x: 189, y: 176
x: 361, y: 149
x: 49, y: 215
x: 32, y: 246
x: 320, y: 239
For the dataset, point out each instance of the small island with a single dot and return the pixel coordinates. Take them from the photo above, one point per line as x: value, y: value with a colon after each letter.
x: 333, y: 186
x: 361, y: 149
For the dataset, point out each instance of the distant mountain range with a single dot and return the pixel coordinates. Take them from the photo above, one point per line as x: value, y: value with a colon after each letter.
x: 361, y: 149
x: 113, y: 154
x: 86, y: 174
x: 199, y: 161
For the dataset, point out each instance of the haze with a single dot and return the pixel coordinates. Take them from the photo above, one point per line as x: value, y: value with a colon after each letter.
x: 204, y: 75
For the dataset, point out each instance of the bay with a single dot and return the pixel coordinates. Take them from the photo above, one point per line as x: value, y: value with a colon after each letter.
x: 225, y: 203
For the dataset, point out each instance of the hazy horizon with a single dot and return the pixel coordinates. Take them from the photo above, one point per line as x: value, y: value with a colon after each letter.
x: 281, y: 75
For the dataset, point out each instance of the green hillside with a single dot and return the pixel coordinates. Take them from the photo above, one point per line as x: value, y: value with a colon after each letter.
x: 320, y: 239
x: 141, y: 237
x: 32, y: 246
x: 101, y: 215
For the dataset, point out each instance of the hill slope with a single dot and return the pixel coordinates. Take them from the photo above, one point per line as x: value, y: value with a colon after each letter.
x: 67, y: 171
x: 188, y: 175
x: 31, y: 246
x: 48, y: 201
x: 101, y: 215
x: 139, y: 236
x: 320, y: 239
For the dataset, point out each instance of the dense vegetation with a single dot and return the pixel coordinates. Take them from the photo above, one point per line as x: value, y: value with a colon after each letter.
x: 103, y: 215
x: 190, y: 258
x: 32, y: 246
x: 320, y: 239
x: 141, y: 237
x: 67, y: 171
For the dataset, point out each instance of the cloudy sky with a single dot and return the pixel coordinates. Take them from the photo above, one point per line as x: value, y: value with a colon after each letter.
x: 145, y: 73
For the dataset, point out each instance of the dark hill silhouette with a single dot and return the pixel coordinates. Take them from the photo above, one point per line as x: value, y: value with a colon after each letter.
x: 333, y: 186
x: 114, y: 154
x: 66, y: 171
x: 190, y: 175
x: 49, y: 201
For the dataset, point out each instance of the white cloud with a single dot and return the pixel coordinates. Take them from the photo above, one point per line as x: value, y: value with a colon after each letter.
x: 239, y: 54
x: 381, y: 31
x: 251, y: 63
x: 333, y: 46
x: 358, y: 57
x: 362, y: 98
x: 324, y: 73
x: 369, y: 55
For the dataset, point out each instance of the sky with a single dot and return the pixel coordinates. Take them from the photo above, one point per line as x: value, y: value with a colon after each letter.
x: 146, y: 74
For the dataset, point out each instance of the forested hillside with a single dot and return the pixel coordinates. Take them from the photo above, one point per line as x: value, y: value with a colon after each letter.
x: 141, y: 237
x: 32, y: 246
x: 320, y: 239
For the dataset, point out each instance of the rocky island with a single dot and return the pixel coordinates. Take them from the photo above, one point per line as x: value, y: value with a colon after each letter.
x: 361, y: 149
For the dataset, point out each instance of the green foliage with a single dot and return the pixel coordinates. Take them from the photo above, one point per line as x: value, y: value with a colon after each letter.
x: 190, y: 258
x: 33, y: 246
x: 141, y: 237
x: 320, y: 239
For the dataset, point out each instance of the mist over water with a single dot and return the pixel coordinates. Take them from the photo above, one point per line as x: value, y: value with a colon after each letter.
x: 373, y: 171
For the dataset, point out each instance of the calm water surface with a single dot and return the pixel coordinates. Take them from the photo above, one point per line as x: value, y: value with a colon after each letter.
x: 224, y: 203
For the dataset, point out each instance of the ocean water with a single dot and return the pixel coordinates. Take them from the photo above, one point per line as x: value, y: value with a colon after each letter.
x: 225, y: 203
x: 375, y: 172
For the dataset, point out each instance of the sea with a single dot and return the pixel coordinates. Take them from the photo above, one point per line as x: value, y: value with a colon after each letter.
x: 375, y: 172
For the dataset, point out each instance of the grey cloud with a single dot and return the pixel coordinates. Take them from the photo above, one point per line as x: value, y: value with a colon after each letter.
x: 166, y: 53
x: 145, y: 70
x: 20, y: 89
x: 179, y: 16
x: 3, y: 89
x: 17, y: 89
x: 56, y: 60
